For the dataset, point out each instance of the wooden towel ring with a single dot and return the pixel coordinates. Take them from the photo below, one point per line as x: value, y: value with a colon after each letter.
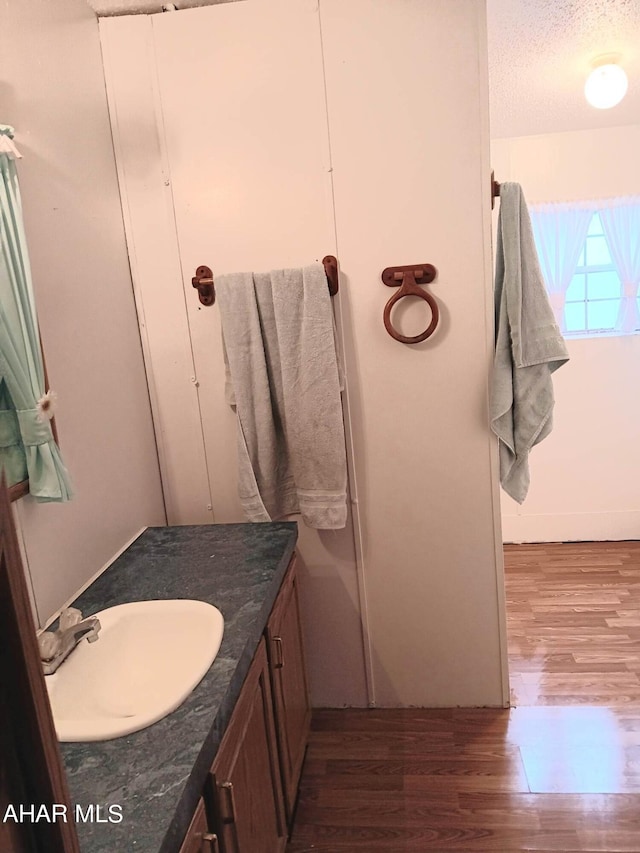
x: 407, y: 279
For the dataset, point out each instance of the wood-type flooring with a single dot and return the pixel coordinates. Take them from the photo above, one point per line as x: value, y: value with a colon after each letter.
x: 573, y: 615
x: 559, y: 772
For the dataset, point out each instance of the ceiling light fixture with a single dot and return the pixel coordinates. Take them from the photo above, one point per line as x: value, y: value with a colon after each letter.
x: 607, y: 84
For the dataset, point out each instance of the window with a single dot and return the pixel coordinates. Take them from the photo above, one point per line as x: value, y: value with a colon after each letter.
x: 589, y: 254
x: 593, y: 296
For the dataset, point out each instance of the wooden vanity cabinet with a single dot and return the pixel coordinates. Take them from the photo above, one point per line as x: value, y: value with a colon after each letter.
x: 252, y: 786
x: 245, y: 786
x: 289, y: 685
x: 198, y: 838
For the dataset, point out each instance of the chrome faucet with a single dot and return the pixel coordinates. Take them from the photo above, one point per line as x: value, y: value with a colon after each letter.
x: 56, y: 646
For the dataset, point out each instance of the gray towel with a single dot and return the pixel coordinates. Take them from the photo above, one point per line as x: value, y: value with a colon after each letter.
x: 284, y: 382
x: 529, y: 346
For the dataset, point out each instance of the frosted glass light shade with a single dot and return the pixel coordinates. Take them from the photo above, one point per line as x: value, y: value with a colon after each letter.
x: 606, y: 86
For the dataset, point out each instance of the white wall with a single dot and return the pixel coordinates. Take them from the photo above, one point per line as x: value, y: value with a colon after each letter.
x: 410, y: 164
x: 585, y: 477
x: 218, y: 198
x: 52, y: 92
x: 407, y: 182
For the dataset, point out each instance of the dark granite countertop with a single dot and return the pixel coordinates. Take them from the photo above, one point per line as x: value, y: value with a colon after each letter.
x: 157, y: 775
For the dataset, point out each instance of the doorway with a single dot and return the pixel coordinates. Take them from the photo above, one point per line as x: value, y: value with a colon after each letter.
x: 572, y: 604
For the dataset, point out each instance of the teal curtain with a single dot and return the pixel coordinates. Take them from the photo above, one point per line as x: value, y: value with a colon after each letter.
x: 27, y: 446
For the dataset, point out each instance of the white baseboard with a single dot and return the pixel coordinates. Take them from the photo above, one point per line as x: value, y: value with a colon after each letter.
x: 572, y: 527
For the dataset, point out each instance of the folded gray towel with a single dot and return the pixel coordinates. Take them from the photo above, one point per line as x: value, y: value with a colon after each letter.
x: 283, y: 379
x: 529, y: 346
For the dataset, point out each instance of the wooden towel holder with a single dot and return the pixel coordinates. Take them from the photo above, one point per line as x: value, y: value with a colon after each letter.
x: 495, y: 190
x: 203, y: 280
x: 408, y: 278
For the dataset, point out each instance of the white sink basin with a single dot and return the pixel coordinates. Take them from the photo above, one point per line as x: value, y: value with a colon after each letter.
x: 147, y: 659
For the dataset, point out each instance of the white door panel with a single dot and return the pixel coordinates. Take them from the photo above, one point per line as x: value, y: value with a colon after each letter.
x: 245, y: 125
x: 246, y: 135
x: 147, y: 206
x: 406, y: 94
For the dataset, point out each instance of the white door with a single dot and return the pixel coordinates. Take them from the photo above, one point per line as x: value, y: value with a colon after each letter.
x: 278, y: 131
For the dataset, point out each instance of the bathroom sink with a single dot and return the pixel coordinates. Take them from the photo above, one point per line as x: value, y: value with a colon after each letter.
x: 147, y: 659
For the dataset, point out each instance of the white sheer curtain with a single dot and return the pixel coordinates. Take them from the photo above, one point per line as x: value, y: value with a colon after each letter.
x: 621, y: 225
x: 560, y: 231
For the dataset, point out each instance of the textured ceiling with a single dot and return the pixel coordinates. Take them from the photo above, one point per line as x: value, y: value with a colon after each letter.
x: 540, y: 53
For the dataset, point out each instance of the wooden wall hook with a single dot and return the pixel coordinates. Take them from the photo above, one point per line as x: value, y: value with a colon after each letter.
x: 330, y: 264
x: 495, y: 189
x: 203, y: 280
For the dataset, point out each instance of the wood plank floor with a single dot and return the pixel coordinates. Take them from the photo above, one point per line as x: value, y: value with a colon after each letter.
x: 573, y: 615
x: 559, y: 776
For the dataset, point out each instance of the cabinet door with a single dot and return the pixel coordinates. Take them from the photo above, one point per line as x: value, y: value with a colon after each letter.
x: 247, y: 791
x: 289, y: 683
x: 198, y: 838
